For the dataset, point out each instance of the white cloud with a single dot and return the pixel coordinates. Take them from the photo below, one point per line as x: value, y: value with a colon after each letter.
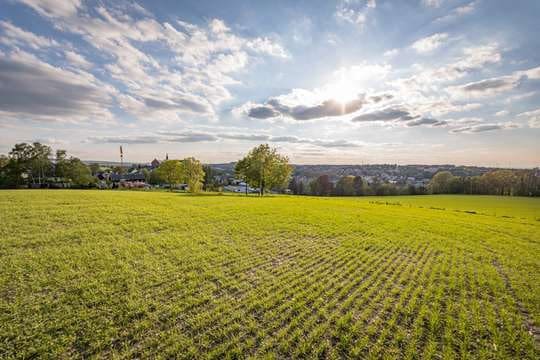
x: 474, y: 129
x: 458, y: 12
x: 520, y: 97
x: 355, y: 13
x: 77, y: 59
x: 432, y: 3
x: 429, y: 43
x: 194, y: 69
x: 391, y: 53
x: 14, y: 36
x: 190, y: 136
x: 54, y: 8
x: 502, y: 113
x: 533, y: 118
x: 533, y: 74
x: 486, y: 87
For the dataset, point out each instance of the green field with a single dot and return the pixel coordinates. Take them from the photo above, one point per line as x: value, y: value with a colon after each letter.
x: 112, y: 274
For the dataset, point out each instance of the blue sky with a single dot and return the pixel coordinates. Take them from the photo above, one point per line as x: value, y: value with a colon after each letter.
x: 419, y: 81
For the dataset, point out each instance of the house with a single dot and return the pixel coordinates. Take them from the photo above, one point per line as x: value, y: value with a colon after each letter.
x: 155, y: 163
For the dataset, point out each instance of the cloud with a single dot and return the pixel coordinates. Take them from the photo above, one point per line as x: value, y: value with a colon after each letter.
x: 387, y: 114
x: 33, y: 89
x: 328, y: 108
x: 426, y: 121
x: 429, y: 43
x: 485, y: 87
x: 533, y: 118
x: 391, y: 53
x: 194, y: 136
x: 483, y: 128
x: 262, y: 112
x: 432, y: 3
x: 519, y: 97
x: 355, y: 13
x: 77, y: 59
x: 427, y: 80
x: 54, y: 8
x: 139, y: 139
x: 247, y: 137
x: 14, y: 36
x: 190, y: 71
x: 532, y: 74
x: 458, y: 12
x: 502, y: 113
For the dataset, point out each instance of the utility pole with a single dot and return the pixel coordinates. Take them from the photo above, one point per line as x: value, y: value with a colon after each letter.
x: 121, y: 160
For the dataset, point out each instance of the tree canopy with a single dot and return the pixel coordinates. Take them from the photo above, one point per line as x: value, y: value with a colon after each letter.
x: 264, y: 168
x: 171, y: 171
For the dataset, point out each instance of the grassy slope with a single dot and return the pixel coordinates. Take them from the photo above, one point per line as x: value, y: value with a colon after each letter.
x: 89, y: 273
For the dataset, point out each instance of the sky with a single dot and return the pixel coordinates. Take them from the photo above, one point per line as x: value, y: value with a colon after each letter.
x: 325, y: 82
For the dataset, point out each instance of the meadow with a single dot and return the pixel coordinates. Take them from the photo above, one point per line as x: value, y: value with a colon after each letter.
x: 118, y: 274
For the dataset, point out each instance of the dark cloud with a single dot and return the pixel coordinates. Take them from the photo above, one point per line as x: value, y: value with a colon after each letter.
x: 248, y: 137
x: 328, y: 108
x: 190, y: 137
x: 426, y: 121
x: 317, y: 142
x: 382, y: 97
x: 179, y: 104
x: 489, y: 84
x: 187, y: 137
x: 30, y: 87
x: 143, y: 139
x: 262, y: 112
x: 482, y: 128
x: 387, y: 114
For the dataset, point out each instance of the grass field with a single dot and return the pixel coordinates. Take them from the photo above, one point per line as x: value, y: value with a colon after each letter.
x: 148, y: 274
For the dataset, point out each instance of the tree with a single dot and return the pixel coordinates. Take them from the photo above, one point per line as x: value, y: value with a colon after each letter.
x: 61, y: 163
x: 4, y: 161
x: 171, y: 171
x: 28, y: 162
x: 293, y: 186
x: 209, y: 183
x: 440, y: 183
x: 322, y: 186
x: 95, y: 168
x: 193, y: 174
x: 358, y: 185
x: 264, y: 168
x: 78, y: 172
x: 345, y: 186
x: 40, y: 164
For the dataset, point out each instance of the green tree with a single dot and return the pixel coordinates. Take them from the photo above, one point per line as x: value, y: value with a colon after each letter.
x: 61, y: 163
x: 193, y: 174
x: 265, y: 168
x: 78, y: 172
x: 441, y: 182
x: 358, y: 185
x: 321, y: 186
x: 171, y: 172
x: 209, y: 184
x: 345, y: 186
x: 40, y: 163
x: 95, y: 168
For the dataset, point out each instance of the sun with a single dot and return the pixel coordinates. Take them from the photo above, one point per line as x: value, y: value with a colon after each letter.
x: 342, y: 90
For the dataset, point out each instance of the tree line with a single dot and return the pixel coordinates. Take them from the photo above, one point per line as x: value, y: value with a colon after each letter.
x: 497, y: 182
x: 34, y: 165
x: 263, y: 168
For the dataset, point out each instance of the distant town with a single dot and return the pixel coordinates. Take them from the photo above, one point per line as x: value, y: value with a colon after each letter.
x: 223, y: 174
